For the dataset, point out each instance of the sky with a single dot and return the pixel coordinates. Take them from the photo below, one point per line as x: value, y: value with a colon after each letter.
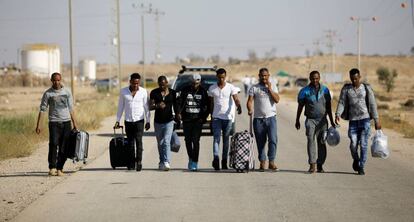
x: 228, y: 28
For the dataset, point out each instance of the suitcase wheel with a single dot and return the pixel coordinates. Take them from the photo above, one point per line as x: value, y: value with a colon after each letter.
x: 113, y: 168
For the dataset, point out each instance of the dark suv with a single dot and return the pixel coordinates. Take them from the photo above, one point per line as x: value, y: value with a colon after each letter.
x: 208, y: 78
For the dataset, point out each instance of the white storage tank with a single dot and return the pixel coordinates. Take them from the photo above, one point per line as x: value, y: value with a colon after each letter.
x: 87, y: 69
x: 41, y: 59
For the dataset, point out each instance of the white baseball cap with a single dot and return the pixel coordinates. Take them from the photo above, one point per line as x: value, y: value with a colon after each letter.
x: 196, y: 77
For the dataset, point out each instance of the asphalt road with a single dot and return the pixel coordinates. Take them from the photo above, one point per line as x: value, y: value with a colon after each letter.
x: 98, y: 193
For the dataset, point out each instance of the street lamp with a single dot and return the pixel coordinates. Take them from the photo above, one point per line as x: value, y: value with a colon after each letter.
x: 359, y: 30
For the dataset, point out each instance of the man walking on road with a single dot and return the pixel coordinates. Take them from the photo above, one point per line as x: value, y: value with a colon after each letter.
x: 264, y: 122
x: 222, y: 96
x: 316, y: 99
x: 357, y: 104
x: 164, y: 102
x: 60, y: 103
x: 133, y: 100
x: 194, y: 111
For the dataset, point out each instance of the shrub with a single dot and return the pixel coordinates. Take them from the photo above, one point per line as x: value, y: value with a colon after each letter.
x: 386, y: 78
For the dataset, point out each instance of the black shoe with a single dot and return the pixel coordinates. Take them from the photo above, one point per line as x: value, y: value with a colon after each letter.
x: 320, y: 168
x: 139, y: 167
x: 216, y: 164
x: 224, y: 165
x: 361, y: 171
x: 355, y: 165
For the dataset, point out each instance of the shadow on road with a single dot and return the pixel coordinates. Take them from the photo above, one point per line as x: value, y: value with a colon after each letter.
x: 31, y: 174
x: 112, y: 135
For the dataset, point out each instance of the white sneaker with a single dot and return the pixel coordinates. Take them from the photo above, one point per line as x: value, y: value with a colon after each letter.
x: 166, y: 166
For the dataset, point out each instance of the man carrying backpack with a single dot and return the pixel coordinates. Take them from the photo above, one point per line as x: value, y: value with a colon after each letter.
x: 357, y: 104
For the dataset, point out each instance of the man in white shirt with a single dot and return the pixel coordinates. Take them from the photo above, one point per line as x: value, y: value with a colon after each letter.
x: 133, y: 100
x: 222, y: 96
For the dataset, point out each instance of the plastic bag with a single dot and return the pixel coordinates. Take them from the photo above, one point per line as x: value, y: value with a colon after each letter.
x: 379, y: 146
x: 333, y: 138
x: 175, y: 142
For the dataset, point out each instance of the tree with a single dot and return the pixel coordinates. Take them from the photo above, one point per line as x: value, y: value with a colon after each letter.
x: 386, y: 78
x: 412, y: 50
x: 252, y: 56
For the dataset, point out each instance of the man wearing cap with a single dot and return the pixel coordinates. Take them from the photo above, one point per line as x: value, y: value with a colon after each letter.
x: 194, y: 110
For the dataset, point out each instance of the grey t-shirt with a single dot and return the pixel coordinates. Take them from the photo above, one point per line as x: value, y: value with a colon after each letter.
x: 264, y: 105
x: 59, y: 102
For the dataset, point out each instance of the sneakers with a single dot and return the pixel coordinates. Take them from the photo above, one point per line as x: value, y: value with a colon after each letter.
x: 166, y: 166
x: 361, y: 171
x: 355, y: 165
x: 272, y: 166
x: 190, y: 164
x: 216, y: 164
x: 194, y: 166
x: 53, y: 172
x: 312, y: 168
x: 60, y: 173
x: 224, y: 165
x: 161, y: 166
x: 262, y: 166
x: 320, y: 168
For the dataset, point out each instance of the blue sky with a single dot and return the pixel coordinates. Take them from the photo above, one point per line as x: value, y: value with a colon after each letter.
x: 206, y: 27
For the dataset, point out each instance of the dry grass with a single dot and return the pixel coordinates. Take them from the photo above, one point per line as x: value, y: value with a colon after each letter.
x: 391, y: 120
x: 18, y: 138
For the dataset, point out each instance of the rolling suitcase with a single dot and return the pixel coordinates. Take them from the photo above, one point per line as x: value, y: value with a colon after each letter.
x: 78, y: 146
x: 242, y: 150
x: 119, y: 153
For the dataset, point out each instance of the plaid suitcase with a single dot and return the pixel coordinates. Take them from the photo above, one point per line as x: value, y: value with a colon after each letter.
x: 242, y: 151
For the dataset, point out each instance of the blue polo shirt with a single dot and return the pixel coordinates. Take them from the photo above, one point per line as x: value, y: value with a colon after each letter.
x: 314, y: 101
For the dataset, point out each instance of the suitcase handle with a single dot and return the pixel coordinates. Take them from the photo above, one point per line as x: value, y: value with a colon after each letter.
x: 122, y: 128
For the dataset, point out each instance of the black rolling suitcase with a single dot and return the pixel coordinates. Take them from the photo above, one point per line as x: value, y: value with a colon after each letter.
x: 77, y: 146
x: 120, y: 154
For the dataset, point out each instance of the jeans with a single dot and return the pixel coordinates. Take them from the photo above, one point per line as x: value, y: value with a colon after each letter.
x: 266, y: 129
x: 221, y: 127
x: 134, y: 131
x: 192, y: 132
x: 163, y: 132
x: 58, y: 137
x: 315, y: 129
x: 359, y: 132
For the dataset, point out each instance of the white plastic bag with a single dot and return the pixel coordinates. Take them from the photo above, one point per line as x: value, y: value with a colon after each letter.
x: 333, y: 138
x: 379, y: 146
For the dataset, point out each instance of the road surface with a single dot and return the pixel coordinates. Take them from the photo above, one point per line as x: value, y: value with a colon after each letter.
x: 98, y: 193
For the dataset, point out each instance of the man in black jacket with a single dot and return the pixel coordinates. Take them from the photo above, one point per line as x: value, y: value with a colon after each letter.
x: 194, y: 111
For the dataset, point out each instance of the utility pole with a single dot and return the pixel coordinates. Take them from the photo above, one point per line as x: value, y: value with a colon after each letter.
x: 143, y: 10
x: 118, y: 37
x: 331, y: 35
x: 359, y: 31
x: 157, y: 14
x: 72, y: 67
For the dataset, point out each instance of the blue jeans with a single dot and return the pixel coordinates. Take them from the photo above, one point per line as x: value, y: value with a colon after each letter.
x: 221, y: 127
x: 265, y: 129
x: 359, y: 132
x: 163, y: 132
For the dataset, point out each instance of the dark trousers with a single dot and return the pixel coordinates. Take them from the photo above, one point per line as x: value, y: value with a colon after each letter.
x: 192, y: 133
x: 58, y: 136
x: 134, y: 131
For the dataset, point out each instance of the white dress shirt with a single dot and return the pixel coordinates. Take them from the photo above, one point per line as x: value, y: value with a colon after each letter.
x: 135, y: 107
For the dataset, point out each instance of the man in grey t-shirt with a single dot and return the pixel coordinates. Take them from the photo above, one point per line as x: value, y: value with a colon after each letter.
x: 60, y: 103
x: 264, y: 99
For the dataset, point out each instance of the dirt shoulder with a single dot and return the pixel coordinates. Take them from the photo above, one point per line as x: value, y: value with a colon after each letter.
x: 23, y: 180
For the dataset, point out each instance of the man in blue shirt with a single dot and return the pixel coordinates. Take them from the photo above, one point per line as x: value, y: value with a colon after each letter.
x: 316, y: 99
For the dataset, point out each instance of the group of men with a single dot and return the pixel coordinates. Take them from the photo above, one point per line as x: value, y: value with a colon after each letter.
x: 193, y: 106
